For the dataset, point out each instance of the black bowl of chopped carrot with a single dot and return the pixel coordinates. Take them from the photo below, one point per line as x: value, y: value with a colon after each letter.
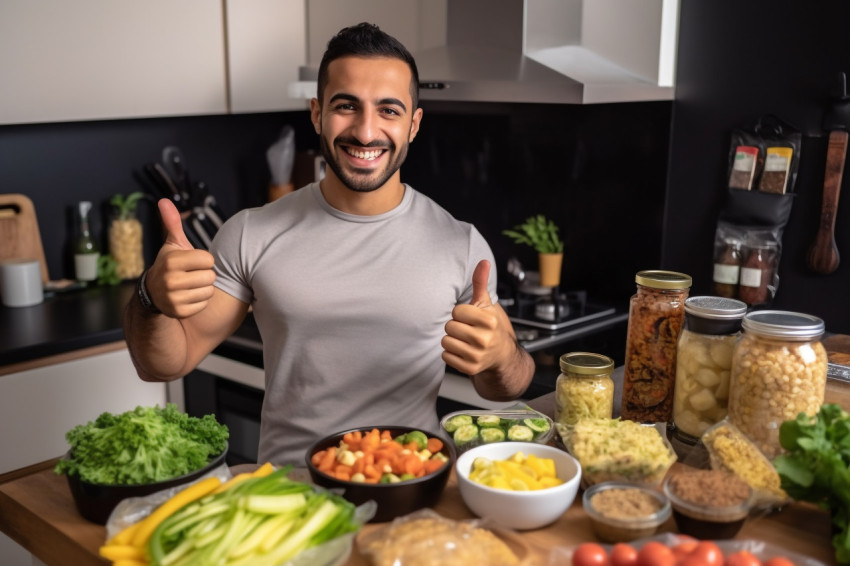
x: 401, y: 468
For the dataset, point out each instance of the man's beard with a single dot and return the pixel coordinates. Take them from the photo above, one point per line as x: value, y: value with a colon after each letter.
x: 365, y: 182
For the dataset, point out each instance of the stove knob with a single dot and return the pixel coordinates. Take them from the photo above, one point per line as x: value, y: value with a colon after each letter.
x: 525, y: 334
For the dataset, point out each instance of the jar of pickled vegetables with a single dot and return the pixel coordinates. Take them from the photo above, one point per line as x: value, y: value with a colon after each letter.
x: 656, y: 316
x: 585, y: 388
x: 779, y: 370
x: 704, y: 363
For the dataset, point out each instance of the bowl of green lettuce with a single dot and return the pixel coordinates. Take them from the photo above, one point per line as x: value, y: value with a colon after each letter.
x: 136, y: 453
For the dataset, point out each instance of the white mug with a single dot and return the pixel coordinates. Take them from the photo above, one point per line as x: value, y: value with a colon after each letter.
x: 20, y: 282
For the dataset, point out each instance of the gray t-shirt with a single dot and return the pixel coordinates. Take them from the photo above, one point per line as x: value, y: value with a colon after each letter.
x: 351, y: 310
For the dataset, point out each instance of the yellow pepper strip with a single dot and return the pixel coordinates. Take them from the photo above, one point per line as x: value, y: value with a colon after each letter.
x: 238, y: 478
x: 126, y: 535
x: 191, y: 493
x: 263, y: 470
x: 122, y: 551
x: 130, y: 562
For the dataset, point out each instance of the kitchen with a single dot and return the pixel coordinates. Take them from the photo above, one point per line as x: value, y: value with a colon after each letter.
x: 663, y: 194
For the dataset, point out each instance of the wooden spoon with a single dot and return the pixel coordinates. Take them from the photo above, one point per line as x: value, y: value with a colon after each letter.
x: 823, y: 255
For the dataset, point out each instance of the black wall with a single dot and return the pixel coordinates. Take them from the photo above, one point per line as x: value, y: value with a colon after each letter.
x: 599, y: 171
x: 736, y: 62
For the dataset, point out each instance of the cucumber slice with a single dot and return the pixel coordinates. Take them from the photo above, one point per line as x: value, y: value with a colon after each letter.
x: 488, y: 421
x: 490, y: 434
x: 465, y: 434
x: 539, y: 426
x: 456, y: 422
x: 520, y: 433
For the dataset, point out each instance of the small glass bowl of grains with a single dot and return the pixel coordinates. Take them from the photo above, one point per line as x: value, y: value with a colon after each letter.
x: 708, y: 504
x: 624, y: 511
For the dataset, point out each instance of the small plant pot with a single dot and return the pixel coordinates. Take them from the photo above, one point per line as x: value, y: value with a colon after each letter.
x: 550, y: 269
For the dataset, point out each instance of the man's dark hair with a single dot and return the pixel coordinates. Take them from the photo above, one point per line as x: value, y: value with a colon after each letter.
x: 367, y: 40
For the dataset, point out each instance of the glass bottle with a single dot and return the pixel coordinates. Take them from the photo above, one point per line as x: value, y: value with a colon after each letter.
x: 86, y: 254
x: 757, y: 273
x: 727, y: 268
x: 704, y: 364
x: 585, y: 388
x: 779, y: 370
x: 656, y: 315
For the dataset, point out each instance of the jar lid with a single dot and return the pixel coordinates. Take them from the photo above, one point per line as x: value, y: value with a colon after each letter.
x: 586, y: 363
x: 715, y: 308
x: 659, y: 279
x: 784, y: 324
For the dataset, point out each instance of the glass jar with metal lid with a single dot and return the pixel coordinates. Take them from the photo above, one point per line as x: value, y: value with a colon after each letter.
x: 704, y: 363
x: 585, y: 388
x: 779, y: 370
x: 656, y: 315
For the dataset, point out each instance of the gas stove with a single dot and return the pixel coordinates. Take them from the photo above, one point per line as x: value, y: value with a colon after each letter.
x: 555, y: 310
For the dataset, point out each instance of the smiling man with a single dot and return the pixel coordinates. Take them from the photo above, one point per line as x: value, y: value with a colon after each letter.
x: 363, y: 289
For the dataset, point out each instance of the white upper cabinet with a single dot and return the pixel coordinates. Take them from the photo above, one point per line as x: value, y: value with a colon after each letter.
x: 110, y: 59
x: 266, y: 44
x: 103, y: 59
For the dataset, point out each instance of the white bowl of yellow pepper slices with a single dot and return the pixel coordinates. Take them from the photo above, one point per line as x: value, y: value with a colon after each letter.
x: 518, y: 485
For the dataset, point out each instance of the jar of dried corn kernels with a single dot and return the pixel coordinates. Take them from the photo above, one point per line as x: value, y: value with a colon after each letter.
x: 779, y: 370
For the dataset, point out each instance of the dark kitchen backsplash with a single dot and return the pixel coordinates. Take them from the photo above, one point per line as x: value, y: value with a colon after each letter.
x: 599, y: 171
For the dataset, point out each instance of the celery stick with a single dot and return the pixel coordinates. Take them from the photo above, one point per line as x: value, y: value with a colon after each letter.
x: 277, y: 524
x: 298, y: 540
x: 273, y: 504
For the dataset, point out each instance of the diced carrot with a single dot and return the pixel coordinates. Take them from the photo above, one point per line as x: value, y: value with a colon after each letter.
x: 433, y: 465
x: 434, y: 445
x: 358, y: 466
x: 328, y: 460
x: 382, y: 463
x: 412, y: 464
x: 393, y: 446
x: 412, y: 446
x: 371, y: 441
x: 385, y: 435
x: 343, y: 474
x: 317, y: 457
x: 369, y: 458
x: 371, y: 472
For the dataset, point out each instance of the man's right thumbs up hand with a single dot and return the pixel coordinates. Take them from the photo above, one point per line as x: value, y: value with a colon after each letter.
x: 180, y: 281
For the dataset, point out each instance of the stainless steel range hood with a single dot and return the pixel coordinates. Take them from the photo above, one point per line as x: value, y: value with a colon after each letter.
x: 550, y: 51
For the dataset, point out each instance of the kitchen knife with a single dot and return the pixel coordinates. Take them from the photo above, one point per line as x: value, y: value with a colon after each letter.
x: 823, y: 256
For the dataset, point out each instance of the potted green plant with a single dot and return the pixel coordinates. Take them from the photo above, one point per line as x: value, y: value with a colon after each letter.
x: 542, y: 235
x: 125, y: 235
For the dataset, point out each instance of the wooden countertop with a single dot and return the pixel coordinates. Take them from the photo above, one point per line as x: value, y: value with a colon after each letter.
x: 37, y: 511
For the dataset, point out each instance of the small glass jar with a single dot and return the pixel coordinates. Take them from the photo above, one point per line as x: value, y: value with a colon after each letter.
x: 727, y: 268
x: 585, y: 388
x: 656, y: 315
x: 779, y: 370
x: 756, y: 285
x: 704, y: 364
x: 125, y: 245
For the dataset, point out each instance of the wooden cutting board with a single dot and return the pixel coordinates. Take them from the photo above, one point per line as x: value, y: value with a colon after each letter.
x: 19, y: 235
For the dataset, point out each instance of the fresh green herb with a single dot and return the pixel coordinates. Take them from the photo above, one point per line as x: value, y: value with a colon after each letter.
x: 107, y: 270
x: 125, y: 206
x: 539, y: 233
x: 816, y: 467
x: 145, y: 445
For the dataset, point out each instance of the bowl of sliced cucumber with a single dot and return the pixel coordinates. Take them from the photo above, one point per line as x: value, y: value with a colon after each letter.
x: 518, y: 423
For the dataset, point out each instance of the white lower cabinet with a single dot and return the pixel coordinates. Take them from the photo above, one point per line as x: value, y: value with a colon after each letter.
x: 38, y: 406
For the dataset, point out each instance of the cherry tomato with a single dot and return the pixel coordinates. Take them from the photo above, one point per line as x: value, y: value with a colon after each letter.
x: 623, y: 554
x: 743, y: 558
x: 778, y: 561
x: 682, y: 549
x: 590, y: 554
x: 705, y: 553
x: 654, y: 553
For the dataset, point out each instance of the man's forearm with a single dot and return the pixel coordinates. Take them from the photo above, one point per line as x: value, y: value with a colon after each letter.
x: 157, y: 344
x: 508, y: 381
